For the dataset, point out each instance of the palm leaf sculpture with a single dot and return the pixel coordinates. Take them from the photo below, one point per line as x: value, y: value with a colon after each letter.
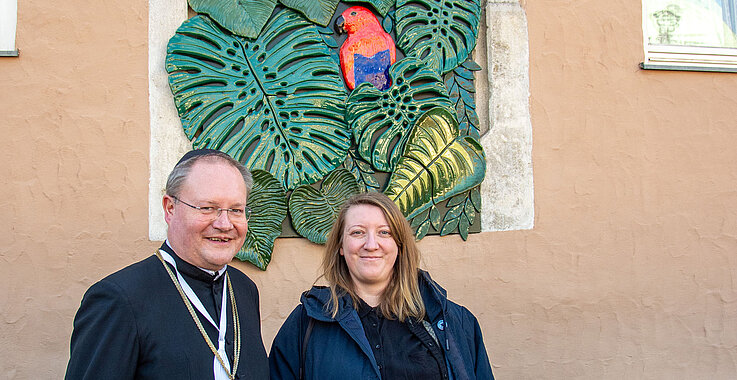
x: 437, y: 163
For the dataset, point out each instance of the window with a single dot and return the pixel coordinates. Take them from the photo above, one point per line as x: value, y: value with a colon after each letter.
x: 8, y: 19
x: 695, y: 35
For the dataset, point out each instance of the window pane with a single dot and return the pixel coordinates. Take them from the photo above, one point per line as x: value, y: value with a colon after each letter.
x: 8, y: 18
x: 708, y: 23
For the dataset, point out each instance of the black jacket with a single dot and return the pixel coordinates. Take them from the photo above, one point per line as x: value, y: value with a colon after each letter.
x: 338, y: 348
x: 133, y: 324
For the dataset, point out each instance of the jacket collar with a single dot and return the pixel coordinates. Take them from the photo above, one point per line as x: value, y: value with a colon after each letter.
x: 434, y: 297
x: 315, y: 300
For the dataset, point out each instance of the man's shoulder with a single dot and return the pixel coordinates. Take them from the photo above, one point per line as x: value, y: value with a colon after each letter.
x: 139, y: 275
x: 240, y: 279
x: 127, y: 290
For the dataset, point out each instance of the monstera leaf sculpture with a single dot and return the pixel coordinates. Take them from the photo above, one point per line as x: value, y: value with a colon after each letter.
x: 361, y: 171
x: 269, y: 208
x: 381, y: 120
x: 260, y: 80
x: 381, y: 6
x: 239, y: 17
x: 442, y: 33
x: 318, y: 11
x: 313, y: 211
x: 276, y: 102
x: 247, y: 18
x: 437, y: 163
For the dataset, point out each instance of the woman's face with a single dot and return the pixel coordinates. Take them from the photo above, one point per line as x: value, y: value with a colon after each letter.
x: 368, y: 247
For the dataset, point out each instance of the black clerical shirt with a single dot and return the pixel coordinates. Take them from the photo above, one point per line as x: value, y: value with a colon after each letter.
x: 209, y: 289
x: 403, y: 350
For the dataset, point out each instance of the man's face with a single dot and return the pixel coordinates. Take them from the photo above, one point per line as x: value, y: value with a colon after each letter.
x: 202, y: 241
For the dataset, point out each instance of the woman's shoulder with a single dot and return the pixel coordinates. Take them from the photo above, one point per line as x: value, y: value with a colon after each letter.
x: 315, y: 302
x: 440, y: 297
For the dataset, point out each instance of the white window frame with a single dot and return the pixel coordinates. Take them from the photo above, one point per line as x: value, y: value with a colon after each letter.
x: 8, y: 23
x: 686, y: 58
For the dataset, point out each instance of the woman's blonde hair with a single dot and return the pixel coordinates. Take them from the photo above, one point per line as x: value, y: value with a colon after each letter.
x: 401, y: 298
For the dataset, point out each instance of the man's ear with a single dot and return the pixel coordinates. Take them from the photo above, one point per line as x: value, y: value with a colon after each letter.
x: 168, y: 203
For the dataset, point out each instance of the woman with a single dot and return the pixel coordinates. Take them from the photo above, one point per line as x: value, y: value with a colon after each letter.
x: 381, y: 317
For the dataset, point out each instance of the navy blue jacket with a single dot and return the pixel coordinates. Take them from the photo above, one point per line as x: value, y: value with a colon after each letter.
x: 338, y: 348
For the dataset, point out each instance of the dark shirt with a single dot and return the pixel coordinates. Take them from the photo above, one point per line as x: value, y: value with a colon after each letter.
x: 209, y: 289
x: 403, y: 350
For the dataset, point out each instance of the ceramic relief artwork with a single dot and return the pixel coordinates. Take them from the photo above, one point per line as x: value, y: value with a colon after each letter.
x: 322, y: 99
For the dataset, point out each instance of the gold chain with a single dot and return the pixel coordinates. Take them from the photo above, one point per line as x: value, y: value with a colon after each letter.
x: 236, y: 320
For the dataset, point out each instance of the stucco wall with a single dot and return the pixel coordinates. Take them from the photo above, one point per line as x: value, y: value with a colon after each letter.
x: 629, y: 271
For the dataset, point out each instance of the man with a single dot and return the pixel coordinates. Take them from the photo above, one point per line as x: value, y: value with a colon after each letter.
x: 171, y: 316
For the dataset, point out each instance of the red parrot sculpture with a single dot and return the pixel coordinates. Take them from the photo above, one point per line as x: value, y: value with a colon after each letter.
x: 368, y: 52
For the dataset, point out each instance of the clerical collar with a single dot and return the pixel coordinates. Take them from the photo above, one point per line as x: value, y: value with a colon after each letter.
x: 193, y: 271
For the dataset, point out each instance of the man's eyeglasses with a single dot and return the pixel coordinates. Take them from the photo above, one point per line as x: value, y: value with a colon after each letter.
x: 212, y: 213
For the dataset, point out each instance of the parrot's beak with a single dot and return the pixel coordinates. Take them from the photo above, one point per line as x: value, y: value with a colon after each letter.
x: 339, y: 22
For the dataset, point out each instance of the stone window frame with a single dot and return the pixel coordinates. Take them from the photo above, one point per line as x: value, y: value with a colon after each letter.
x: 502, y: 102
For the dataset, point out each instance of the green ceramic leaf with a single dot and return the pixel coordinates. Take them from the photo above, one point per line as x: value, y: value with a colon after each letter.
x: 461, y: 90
x: 449, y: 227
x: 419, y: 219
x: 388, y: 22
x: 314, y: 211
x: 456, y: 200
x: 461, y: 213
x: 381, y: 6
x: 276, y: 103
x: 471, y: 66
x: 434, y: 216
x: 463, y: 225
x: 241, y: 17
x: 422, y: 230
x: 429, y: 217
x: 476, y: 197
x: 318, y: 11
x: 454, y: 212
x: 361, y: 170
x: 442, y: 33
x: 469, y: 210
x: 269, y: 208
x: 437, y: 164
x: 381, y: 120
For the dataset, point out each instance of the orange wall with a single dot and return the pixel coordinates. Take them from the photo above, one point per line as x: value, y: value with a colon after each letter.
x: 629, y: 272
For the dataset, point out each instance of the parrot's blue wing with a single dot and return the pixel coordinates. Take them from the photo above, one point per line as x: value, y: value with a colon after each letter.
x: 374, y: 69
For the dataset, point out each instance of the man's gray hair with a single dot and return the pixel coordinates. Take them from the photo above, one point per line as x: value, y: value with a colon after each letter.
x: 181, y: 170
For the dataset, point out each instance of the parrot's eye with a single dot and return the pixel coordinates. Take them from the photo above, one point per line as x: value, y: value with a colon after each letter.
x: 353, y: 13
